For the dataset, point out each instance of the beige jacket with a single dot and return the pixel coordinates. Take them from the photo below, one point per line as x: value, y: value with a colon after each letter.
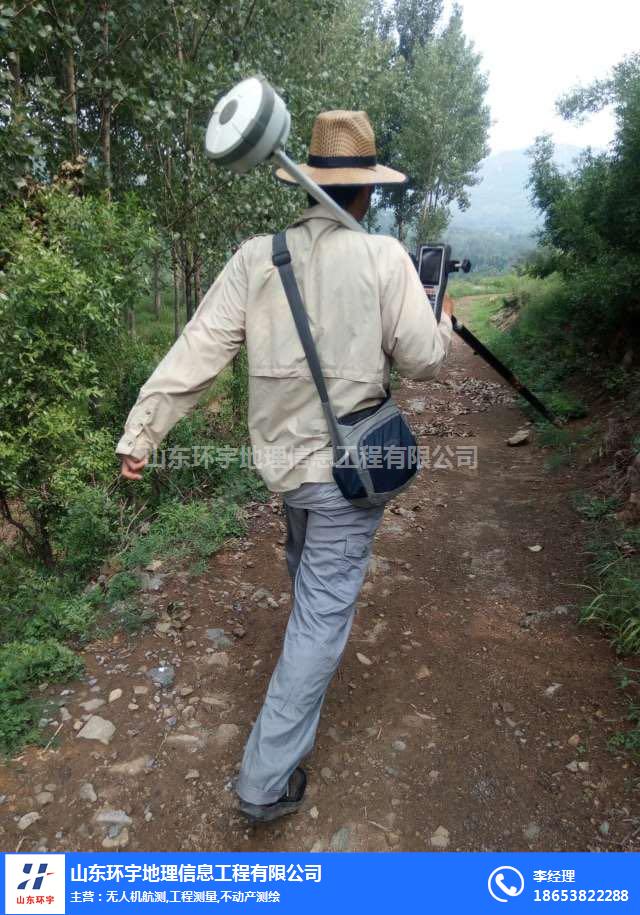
x: 367, y: 311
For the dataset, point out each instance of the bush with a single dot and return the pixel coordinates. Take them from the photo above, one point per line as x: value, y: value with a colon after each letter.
x: 64, y: 288
x: 22, y: 666
x: 195, y: 529
x: 87, y: 531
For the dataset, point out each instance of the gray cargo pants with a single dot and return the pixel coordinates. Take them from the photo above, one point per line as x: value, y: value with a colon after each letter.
x: 328, y: 548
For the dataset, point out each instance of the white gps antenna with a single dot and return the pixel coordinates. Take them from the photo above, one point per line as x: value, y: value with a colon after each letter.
x: 249, y: 125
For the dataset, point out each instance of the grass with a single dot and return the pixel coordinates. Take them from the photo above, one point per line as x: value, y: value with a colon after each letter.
x: 615, y: 603
x: 182, y: 514
x: 537, y: 346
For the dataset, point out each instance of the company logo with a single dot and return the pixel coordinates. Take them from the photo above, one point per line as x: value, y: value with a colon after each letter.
x: 34, y: 883
x: 505, y: 883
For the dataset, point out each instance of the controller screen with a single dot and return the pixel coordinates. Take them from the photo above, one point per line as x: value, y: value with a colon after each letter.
x: 430, y: 266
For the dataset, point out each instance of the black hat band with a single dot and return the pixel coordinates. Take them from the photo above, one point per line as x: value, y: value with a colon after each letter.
x: 342, y: 161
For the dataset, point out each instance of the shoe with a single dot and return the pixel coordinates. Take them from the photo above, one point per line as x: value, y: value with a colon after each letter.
x: 288, y: 803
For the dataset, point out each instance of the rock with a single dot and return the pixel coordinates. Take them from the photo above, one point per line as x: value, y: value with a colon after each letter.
x: 218, y: 659
x: 132, y: 766
x: 536, y: 548
x: 118, y: 841
x: 140, y: 690
x: 28, y: 820
x: 417, y: 406
x: 572, y: 766
x: 399, y: 745
x: 219, y: 638
x: 163, y: 675
x: 574, y: 740
x: 317, y: 846
x: 584, y: 766
x: 363, y: 659
x: 225, y: 734
x: 340, y: 839
x: 92, y: 705
x: 153, y: 566
x: 327, y: 774
x: 87, y: 793
x: 215, y: 701
x: 98, y: 728
x: 440, y: 838
x: 150, y: 582
x: 423, y: 673
x: 393, y: 839
x: 522, y: 437
x: 184, y: 740
x: 65, y: 715
x: 239, y: 631
x: 192, y: 775
x: 43, y: 798
x: 264, y: 599
x: 314, y: 813
x: 552, y: 690
x: 114, y: 695
x: 531, y: 832
x: 111, y: 817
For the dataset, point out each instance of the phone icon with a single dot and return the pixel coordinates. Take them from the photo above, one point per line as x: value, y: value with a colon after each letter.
x: 509, y: 890
x: 503, y: 886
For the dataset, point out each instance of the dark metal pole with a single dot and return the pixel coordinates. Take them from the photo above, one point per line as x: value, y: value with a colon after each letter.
x: 465, y: 334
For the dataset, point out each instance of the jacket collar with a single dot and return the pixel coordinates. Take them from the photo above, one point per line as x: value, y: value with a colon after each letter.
x: 316, y: 212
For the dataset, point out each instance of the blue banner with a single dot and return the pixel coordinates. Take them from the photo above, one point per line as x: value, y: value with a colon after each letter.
x: 330, y: 883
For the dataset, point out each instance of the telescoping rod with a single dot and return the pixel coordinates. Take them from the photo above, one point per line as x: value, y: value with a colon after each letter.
x: 481, y: 350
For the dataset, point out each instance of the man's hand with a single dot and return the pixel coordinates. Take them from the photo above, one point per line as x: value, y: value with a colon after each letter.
x: 447, y: 304
x: 132, y: 468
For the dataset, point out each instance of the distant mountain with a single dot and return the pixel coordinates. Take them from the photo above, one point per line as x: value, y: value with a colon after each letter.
x: 497, y: 230
x: 500, y: 202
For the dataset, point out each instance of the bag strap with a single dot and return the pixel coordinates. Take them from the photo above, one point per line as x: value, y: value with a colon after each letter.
x: 281, y: 257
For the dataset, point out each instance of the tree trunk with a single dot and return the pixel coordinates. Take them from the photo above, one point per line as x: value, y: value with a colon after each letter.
x: 197, y: 281
x: 176, y: 296
x: 16, y: 72
x: 157, y: 298
x: 72, y: 94
x: 187, y: 271
x: 107, y: 107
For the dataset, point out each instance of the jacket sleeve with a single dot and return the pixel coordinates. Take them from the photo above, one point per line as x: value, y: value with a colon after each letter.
x: 416, y: 345
x: 207, y: 344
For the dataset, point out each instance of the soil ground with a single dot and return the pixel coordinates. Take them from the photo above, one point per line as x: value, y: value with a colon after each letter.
x: 477, y: 721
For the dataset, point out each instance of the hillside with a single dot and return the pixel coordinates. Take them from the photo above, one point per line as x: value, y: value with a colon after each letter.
x: 498, y: 227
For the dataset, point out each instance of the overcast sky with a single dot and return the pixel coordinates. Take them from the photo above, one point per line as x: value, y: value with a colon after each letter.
x: 535, y: 50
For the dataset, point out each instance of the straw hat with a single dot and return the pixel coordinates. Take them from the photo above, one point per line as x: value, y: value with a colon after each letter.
x: 343, y: 151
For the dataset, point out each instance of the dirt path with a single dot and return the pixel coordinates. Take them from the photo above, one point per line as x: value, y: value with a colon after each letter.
x: 480, y: 723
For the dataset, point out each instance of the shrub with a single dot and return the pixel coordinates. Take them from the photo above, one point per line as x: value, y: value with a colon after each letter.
x: 62, y: 295
x: 22, y: 666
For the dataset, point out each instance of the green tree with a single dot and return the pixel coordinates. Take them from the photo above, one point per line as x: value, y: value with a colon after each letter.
x: 67, y: 271
x: 592, y: 213
x: 439, y: 132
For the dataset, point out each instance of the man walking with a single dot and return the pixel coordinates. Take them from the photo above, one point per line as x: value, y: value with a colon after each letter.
x: 367, y: 311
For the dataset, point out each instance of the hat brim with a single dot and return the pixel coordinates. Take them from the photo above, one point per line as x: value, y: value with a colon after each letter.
x: 330, y: 177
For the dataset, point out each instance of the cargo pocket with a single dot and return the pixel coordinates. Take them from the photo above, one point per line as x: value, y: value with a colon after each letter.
x: 356, y: 546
